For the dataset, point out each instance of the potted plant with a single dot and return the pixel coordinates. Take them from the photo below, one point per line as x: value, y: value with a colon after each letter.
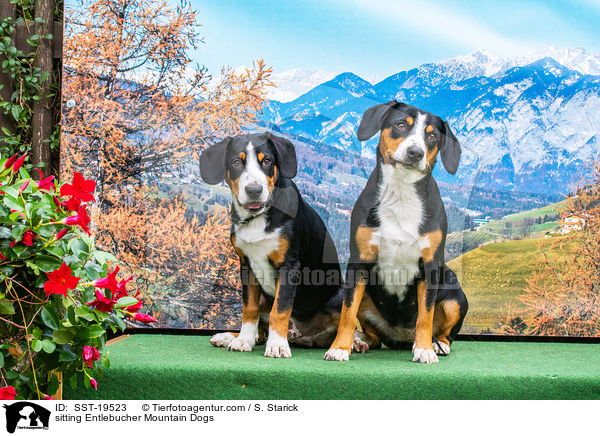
x: 58, y: 295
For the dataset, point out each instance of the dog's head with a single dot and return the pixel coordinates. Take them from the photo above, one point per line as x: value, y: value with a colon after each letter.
x: 410, y: 138
x: 251, y: 165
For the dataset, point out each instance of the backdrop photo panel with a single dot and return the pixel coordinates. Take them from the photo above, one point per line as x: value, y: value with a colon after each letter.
x: 148, y: 86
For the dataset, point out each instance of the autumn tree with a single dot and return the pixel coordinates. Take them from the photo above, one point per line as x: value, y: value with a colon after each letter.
x: 137, y: 108
x: 563, y: 294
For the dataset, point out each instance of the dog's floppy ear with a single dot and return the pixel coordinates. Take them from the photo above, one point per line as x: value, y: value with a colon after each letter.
x: 286, y: 156
x: 450, y: 151
x: 212, y: 162
x: 372, y: 120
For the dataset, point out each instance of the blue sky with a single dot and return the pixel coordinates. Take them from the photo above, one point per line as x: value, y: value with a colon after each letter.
x: 382, y: 37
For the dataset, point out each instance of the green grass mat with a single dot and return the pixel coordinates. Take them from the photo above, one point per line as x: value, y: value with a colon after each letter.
x: 188, y: 367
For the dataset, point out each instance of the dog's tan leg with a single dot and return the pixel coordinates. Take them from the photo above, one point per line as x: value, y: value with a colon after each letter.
x: 342, y: 345
x: 446, y: 316
x: 423, y: 346
x: 279, y: 322
x: 369, y: 334
x: 248, y: 335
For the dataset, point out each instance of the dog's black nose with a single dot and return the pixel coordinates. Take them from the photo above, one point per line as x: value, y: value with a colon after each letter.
x: 254, y: 191
x: 415, y: 154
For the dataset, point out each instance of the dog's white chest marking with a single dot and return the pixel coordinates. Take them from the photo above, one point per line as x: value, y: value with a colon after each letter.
x: 256, y: 243
x: 400, y: 214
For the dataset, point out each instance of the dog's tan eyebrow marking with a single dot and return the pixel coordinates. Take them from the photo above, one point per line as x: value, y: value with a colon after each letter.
x: 410, y: 121
x: 429, y: 129
x: 242, y: 155
x: 261, y: 156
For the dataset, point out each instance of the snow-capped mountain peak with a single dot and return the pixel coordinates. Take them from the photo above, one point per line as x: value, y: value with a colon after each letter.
x: 291, y: 84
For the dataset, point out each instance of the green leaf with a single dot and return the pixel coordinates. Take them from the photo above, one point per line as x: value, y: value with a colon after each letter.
x: 62, y: 336
x: 20, y: 250
x: 13, y: 203
x: 9, y: 190
x: 93, y: 271
x: 96, y: 331
x: 5, y: 233
x: 36, y: 345
x: 48, y: 346
x: 78, y: 247
x: 47, y: 263
x: 71, y: 315
x: 53, y: 385
x: 126, y: 301
x: 50, y: 317
x: 67, y: 356
x: 17, y: 231
x: 1, y: 360
x: 73, y: 381
x: 103, y: 256
x: 85, y: 313
x: 6, y: 307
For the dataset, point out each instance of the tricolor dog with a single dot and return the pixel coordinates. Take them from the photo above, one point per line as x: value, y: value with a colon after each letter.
x: 397, y: 282
x: 289, y: 265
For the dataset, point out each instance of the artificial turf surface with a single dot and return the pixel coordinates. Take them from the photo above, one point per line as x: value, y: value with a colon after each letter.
x: 188, y: 367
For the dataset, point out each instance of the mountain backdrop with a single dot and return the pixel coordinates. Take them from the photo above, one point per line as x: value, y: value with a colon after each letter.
x: 526, y: 124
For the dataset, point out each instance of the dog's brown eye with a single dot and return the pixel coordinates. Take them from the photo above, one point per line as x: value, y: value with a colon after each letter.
x: 237, y: 163
x: 402, y: 125
x: 266, y: 162
x: 431, y: 136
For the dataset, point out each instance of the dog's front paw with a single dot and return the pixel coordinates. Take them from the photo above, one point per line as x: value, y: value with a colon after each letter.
x: 359, y: 345
x: 221, y: 339
x: 424, y: 355
x: 337, y: 354
x: 441, y: 348
x: 241, y: 344
x: 277, y: 346
x: 278, y: 350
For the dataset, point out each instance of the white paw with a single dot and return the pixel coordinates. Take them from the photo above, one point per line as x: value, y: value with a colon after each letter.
x: 221, y: 339
x: 278, y: 350
x: 359, y: 345
x: 424, y: 356
x: 277, y: 346
x: 337, y: 354
x: 241, y: 344
x: 443, y: 348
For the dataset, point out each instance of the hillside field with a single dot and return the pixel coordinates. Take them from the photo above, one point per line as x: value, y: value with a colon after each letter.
x: 494, y: 275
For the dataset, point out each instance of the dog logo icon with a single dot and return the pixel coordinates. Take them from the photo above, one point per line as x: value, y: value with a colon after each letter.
x: 26, y: 415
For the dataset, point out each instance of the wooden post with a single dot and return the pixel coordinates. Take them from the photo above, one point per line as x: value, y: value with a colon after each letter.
x: 42, y: 122
x: 7, y: 9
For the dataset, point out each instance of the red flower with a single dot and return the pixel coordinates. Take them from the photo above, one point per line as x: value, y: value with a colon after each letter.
x: 48, y: 397
x: 45, y: 183
x: 90, y: 354
x: 8, y: 393
x: 19, y: 163
x: 134, y: 308
x: 80, y: 188
x: 72, y: 204
x: 143, y: 317
x: 2, y: 256
x: 81, y: 219
x: 122, y: 288
x: 61, y: 234
x: 109, y: 282
x: 24, y: 185
x: 94, y: 383
x: 102, y: 303
x: 11, y: 160
x: 26, y: 239
x: 60, y: 281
